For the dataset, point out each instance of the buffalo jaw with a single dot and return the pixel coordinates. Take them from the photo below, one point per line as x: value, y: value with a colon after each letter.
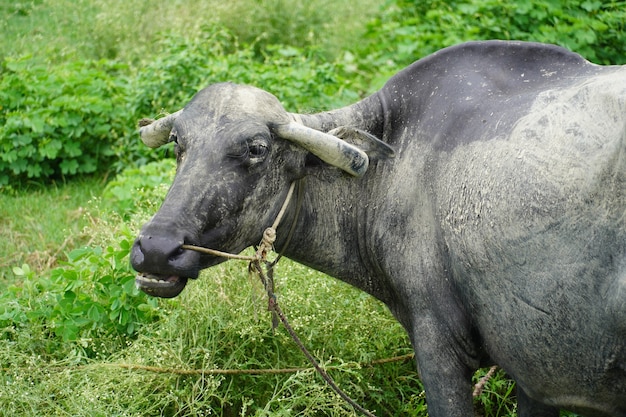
x: 163, y: 286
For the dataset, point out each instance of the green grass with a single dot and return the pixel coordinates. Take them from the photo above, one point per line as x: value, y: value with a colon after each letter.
x: 129, y: 30
x: 39, y: 223
x: 219, y: 322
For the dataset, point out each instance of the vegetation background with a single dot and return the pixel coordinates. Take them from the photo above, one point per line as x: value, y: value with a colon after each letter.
x: 76, y: 337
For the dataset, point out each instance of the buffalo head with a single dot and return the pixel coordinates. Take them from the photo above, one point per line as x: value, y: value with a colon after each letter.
x: 237, y: 152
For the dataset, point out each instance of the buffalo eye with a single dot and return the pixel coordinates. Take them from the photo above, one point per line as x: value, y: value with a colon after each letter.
x: 257, y: 150
x: 250, y: 151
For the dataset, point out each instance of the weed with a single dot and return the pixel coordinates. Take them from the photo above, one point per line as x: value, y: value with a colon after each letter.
x: 60, y: 122
x: 93, y: 295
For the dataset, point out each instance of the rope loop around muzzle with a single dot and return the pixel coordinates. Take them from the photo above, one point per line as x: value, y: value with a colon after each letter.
x: 267, y: 241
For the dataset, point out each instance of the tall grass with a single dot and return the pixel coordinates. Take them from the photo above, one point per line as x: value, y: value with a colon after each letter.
x: 128, y: 30
x: 39, y: 224
x: 219, y: 322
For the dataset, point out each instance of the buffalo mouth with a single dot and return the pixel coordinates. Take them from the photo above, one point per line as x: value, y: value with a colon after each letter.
x: 164, y: 286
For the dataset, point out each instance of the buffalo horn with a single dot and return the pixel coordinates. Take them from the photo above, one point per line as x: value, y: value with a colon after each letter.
x: 157, y: 133
x: 328, y: 148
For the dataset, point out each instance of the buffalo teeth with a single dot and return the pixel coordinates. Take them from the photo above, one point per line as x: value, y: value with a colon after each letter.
x: 154, y: 279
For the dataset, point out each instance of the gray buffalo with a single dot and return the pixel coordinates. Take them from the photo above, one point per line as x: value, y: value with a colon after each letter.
x: 480, y: 194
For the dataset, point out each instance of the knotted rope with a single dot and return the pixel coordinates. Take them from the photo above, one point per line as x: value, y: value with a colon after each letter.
x: 267, y: 241
x: 255, y: 266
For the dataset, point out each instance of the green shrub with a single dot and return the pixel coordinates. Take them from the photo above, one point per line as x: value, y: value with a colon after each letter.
x: 59, y: 121
x: 77, y: 118
x: 301, y: 78
x: 410, y: 29
x: 92, y: 296
x: 139, y: 189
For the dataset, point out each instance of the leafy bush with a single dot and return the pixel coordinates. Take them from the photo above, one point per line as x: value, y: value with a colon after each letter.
x: 139, y: 189
x: 410, y: 29
x: 300, y: 77
x: 79, y: 117
x: 92, y: 295
x: 59, y: 121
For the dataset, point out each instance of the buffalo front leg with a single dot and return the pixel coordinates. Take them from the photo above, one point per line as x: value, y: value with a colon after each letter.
x: 444, y: 371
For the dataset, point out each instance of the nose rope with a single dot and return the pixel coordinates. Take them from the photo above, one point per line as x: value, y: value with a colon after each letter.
x: 257, y: 261
x: 267, y: 242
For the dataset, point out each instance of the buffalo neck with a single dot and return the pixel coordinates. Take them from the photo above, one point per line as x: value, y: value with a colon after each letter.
x: 332, y: 232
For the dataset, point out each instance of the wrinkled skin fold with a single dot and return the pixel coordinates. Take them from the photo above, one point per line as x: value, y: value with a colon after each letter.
x: 480, y: 194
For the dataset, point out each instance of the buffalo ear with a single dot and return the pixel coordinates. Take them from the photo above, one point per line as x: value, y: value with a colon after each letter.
x: 370, y: 144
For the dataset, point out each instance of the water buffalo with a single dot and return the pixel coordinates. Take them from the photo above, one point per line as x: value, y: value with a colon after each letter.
x: 480, y: 194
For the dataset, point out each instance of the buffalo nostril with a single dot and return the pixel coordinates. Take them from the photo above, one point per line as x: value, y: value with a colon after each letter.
x: 136, y: 255
x: 154, y: 253
x: 163, y: 255
x: 177, y: 253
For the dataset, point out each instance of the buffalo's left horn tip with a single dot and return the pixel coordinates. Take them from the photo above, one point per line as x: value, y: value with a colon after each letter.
x: 145, y: 122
